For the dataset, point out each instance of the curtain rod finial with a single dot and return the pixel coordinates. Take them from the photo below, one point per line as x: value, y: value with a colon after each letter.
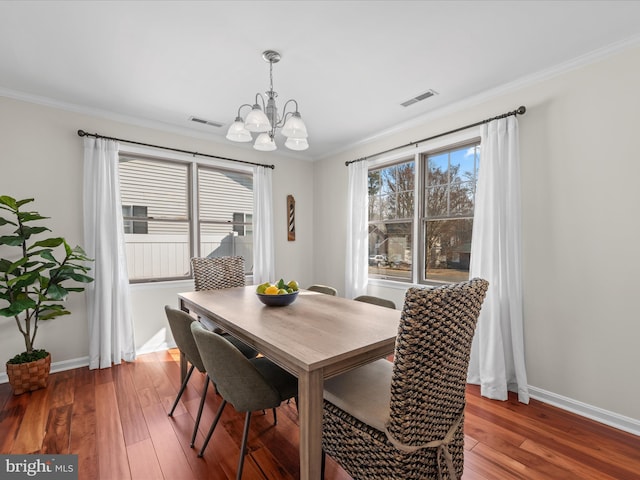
x: 521, y: 110
x: 81, y: 133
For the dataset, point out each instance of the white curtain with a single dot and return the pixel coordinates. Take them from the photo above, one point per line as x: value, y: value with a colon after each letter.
x: 263, y: 247
x: 111, y: 337
x: 356, y: 271
x: 497, y: 354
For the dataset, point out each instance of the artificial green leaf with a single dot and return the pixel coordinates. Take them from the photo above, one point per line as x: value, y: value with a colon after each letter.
x: 49, y: 314
x: 78, y: 277
x: 50, y: 242
x: 56, y: 292
x: 30, y: 216
x: 17, y: 307
x: 19, y: 203
x: 9, y: 201
x: 26, y: 279
x: 12, y: 240
x: 28, y: 231
x: 17, y: 264
x: 4, y: 221
x: 5, y: 264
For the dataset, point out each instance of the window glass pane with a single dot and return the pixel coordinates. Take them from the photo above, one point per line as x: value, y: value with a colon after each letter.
x: 437, y: 199
x: 462, y: 199
x: 438, y: 169
x: 223, y: 194
x: 160, y: 187
x: 162, y: 253
x: 220, y: 240
x: 448, y: 249
x: 390, y: 250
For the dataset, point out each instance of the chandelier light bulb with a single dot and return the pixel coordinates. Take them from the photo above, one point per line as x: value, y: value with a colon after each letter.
x: 265, y: 143
x: 257, y: 121
x: 237, y: 132
x: 296, y: 143
x: 295, y: 127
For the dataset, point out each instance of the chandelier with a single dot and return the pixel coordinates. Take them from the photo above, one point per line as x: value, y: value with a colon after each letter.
x: 263, y: 119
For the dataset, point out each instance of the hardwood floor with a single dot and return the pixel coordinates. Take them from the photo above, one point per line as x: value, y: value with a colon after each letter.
x: 116, y: 421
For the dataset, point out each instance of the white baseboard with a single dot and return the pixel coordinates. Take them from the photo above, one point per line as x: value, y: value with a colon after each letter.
x: 600, y: 415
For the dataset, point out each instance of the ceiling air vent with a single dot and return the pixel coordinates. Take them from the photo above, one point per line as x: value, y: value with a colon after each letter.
x: 206, y: 122
x: 419, y: 98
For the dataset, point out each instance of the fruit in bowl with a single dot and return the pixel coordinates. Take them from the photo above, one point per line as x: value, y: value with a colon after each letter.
x: 277, y: 294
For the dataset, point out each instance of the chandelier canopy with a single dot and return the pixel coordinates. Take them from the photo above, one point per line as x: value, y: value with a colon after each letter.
x: 263, y: 119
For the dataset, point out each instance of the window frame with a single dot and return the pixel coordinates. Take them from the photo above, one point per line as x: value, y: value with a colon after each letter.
x: 193, y: 214
x: 416, y: 152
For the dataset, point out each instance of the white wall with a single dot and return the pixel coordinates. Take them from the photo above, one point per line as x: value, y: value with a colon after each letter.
x: 580, y: 175
x: 41, y: 157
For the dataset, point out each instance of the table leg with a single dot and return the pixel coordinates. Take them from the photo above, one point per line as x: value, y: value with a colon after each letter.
x: 183, y: 358
x: 310, y: 387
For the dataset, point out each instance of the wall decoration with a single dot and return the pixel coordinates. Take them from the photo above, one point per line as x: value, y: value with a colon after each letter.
x: 291, y: 216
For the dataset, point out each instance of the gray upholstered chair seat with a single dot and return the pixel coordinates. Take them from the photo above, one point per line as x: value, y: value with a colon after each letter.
x: 364, y: 393
x: 383, y: 302
x: 326, y: 289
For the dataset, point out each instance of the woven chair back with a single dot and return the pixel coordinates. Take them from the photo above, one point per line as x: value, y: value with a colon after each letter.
x: 212, y: 273
x: 431, y: 360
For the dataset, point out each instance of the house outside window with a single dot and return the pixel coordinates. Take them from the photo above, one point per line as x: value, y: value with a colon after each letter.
x: 189, y: 209
x: 427, y: 240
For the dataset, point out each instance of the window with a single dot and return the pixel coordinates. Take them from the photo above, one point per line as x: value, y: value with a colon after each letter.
x: 441, y: 221
x: 175, y: 210
x: 131, y: 225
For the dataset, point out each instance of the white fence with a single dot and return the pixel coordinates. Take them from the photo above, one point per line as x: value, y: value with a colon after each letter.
x: 168, y: 255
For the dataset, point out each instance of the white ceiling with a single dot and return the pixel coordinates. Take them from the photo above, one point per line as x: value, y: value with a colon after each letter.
x: 349, y: 64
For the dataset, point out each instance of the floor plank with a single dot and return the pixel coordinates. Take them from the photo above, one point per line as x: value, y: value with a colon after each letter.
x: 112, y: 453
x: 143, y: 461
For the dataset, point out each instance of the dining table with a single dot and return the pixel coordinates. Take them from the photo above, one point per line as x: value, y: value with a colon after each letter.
x: 316, y: 337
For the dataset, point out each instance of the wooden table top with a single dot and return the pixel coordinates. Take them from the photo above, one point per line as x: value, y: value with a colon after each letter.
x: 316, y: 331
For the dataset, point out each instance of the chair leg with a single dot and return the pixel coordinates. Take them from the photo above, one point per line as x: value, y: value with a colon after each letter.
x: 184, y: 385
x: 204, y: 396
x: 275, y: 417
x: 323, y: 464
x: 213, y: 426
x: 243, y: 447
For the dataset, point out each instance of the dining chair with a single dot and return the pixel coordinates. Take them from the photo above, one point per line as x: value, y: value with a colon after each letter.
x: 327, y: 290
x: 213, y: 273
x: 248, y: 384
x: 405, y: 419
x: 383, y: 302
x: 180, y: 325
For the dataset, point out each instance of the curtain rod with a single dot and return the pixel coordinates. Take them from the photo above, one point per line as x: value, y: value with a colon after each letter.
x: 519, y: 111
x: 82, y: 133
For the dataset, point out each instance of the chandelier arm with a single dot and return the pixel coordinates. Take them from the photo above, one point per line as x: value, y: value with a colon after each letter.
x: 285, y: 114
x: 264, y: 105
x: 243, y: 105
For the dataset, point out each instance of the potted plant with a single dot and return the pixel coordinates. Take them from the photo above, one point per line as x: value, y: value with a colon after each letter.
x: 34, y: 285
